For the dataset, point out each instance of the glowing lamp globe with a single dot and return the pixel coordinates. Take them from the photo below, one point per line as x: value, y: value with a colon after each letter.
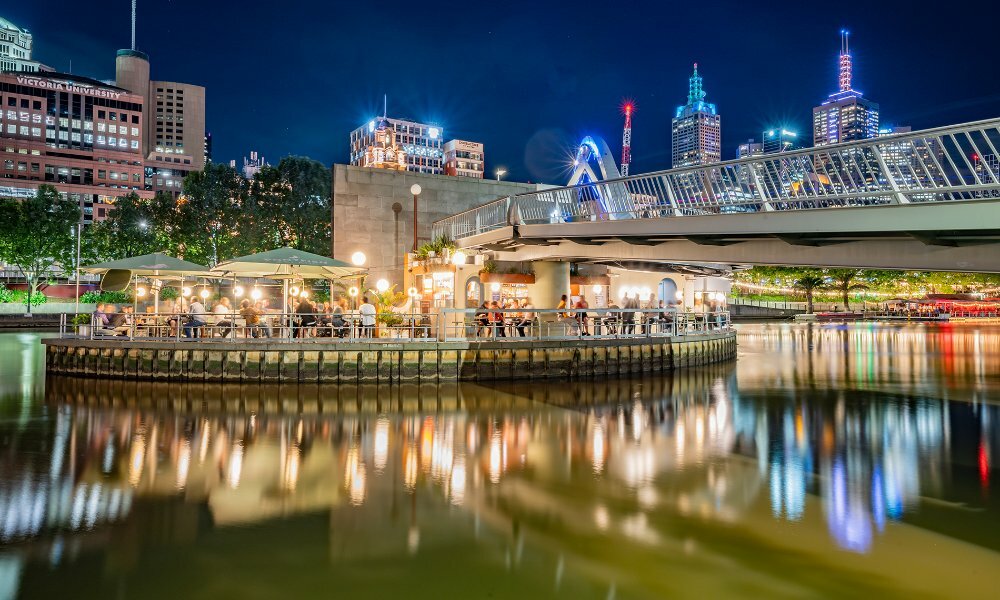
x: 358, y: 258
x: 382, y: 285
x: 204, y: 293
x: 458, y: 258
x: 238, y: 291
x: 415, y: 189
x: 256, y: 294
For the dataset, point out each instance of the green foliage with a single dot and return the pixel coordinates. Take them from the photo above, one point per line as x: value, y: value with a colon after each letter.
x: 8, y: 296
x: 80, y: 319
x: 438, y: 245
x: 384, y: 301
x: 169, y: 293
x: 37, y: 233
x: 135, y: 227
x: 102, y: 297
x: 489, y: 266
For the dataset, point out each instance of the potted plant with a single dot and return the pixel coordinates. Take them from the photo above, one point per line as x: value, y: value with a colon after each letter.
x: 82, y: 324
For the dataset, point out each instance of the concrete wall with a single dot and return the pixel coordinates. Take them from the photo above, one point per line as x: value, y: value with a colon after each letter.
x: 382, y: 363
x: 364, y: 219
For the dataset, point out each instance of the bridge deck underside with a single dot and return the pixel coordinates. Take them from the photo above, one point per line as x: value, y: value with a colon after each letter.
x: 958, y: 236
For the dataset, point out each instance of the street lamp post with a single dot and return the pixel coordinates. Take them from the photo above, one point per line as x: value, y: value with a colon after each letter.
x: 78, y: 235
x: 415, y: 190
x: 500, y: 173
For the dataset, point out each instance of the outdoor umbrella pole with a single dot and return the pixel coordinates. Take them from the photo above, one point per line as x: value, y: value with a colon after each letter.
x: 284, y: 303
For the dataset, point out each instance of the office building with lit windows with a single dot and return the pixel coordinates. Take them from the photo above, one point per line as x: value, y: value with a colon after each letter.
x: 78, y: 134
x: 420, y: 143
x: 779, y: 140
x: 174, y: 136
x: 696, y: 130
x: 846, y: 114
x: 15, y: 49
x: 464, y: 159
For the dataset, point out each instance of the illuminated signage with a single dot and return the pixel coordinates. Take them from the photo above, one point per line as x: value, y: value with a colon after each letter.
x: 67, y: 86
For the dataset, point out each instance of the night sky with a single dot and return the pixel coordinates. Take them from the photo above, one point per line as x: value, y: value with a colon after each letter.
x: 528, y: 79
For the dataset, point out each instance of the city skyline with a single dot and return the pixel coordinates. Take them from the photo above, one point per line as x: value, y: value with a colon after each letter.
x: 754, y: 79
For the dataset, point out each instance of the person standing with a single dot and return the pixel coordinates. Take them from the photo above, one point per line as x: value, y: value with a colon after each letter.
x: 527, y: 316
x: 581, y: 315
x: 367, y: 312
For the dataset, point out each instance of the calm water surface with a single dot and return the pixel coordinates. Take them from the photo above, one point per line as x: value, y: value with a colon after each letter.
x: 828, y: 461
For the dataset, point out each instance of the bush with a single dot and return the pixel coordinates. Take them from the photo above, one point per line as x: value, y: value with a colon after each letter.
x: 81, y: 319
x: 106, y: 297
x: 21, y: 297
x: 169, y: 293
x: 6, y: 296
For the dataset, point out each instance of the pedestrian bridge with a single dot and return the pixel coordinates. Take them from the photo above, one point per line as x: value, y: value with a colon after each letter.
x: 926, y: 200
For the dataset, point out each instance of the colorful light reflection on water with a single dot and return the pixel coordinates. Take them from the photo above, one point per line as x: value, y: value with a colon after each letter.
x: 860, y: 454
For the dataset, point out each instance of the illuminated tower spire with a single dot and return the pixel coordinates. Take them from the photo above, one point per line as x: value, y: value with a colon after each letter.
x: 627, y: 109
x: 845, y: 62
x: 695, y: 93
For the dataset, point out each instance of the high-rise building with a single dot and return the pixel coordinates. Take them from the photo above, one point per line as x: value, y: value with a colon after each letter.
x: 252, y: 165
x: 696, y: 129
x: 779, y: 140
x: 846, y: 115
x: 464, y: 159
x: 749, y: 148
x: 420, y: 144
x: 78, y: 134
x: 15, y: 49
x: 174, y: 140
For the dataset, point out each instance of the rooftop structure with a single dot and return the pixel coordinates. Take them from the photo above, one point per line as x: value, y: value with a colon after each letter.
x: 696, y: 129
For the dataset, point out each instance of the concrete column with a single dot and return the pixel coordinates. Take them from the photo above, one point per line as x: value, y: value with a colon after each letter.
x: 551, y: 282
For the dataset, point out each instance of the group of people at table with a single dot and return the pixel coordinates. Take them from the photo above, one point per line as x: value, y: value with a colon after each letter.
x: 253, y: 318
x: 516, y: 316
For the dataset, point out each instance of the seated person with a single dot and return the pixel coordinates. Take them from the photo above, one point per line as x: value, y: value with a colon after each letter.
x: 223, y: 312
x: 100, y: 321
x: 196, y: 318
x: 123, y: 321
x: 251, y: 314
x: 338, y: 325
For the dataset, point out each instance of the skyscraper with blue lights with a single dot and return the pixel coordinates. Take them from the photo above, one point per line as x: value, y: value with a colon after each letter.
x: 846, y: 115
x: 696, y: 128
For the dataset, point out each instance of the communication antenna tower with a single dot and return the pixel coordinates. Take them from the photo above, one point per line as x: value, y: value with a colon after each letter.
x: 627, y: 108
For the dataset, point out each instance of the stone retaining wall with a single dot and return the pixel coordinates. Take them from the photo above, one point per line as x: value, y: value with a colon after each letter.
x: 381, y: 362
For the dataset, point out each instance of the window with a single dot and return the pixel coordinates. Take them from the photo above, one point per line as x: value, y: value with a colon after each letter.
x: 101, y: 114
x: 135, y: 131
x: 101, y: 174
x: 112, y: 129
x: 101, y: 127
x: 8, y: 165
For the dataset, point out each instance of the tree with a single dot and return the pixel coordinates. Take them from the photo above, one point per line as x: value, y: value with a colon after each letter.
x: 293, y: 200
x: 38, y: 233
x: 808, y: 284
x: 845, y: 281
x: 209, y: 222
x: 133, y: 228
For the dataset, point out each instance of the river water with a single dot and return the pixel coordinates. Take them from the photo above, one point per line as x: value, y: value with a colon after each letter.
x: 827, y: 461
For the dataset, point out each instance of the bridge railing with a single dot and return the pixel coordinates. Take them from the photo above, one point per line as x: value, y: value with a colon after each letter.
x: 954, y: 163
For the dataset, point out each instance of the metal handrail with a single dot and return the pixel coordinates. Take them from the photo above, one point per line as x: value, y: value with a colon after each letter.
x: 447, y: 325
x: 933, y: 165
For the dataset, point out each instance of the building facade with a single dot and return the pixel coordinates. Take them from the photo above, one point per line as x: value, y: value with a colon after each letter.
x: 696, y: 130
x: 749, y: 148
x: 464, y: 159
x: 779, y: 140
x: 15, y: 49
x: 174, y: 142
x: 846, y: 114
x: 420, y: 145
x: 78, y: 134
